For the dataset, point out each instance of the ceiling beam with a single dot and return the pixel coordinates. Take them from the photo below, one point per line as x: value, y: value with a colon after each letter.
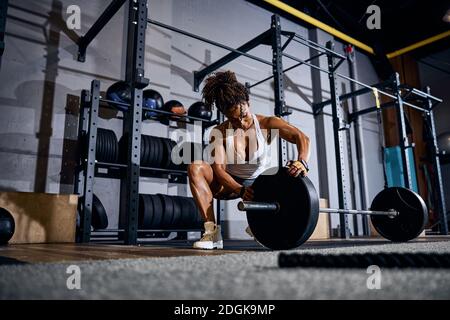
x: 419, y: 44
x: 319, y: 24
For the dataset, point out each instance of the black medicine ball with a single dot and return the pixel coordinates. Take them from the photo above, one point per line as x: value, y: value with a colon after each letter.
x: 199, y: 110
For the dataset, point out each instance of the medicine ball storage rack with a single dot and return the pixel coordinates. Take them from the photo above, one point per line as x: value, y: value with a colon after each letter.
x: 275, y: 38
x: 108, y: 164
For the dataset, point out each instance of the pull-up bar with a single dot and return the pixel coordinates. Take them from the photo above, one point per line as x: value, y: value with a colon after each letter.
x: 286, y: 70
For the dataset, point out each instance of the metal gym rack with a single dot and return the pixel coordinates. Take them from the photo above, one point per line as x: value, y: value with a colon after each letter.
x: 130, y: 172
x: 400, y: 94
x: 273, y: 37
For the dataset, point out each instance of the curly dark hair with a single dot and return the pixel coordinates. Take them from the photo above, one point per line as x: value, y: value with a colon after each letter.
x: 224, y: 91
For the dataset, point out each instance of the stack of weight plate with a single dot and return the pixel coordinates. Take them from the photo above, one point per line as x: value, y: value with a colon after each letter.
x: 107, y: 147
x: 161, y: 211
x: 155, y: 152
x: 152, y: 151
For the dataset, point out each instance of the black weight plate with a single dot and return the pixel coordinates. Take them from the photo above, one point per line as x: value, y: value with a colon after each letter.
x: 148, y: 218
x: 186, y: 213
x: 141, y: 153
x: 166, y: 161
x: 108, y: 153
x: 149, y: 152
x: 99, y: 218
x: 113, y: 142
x: 145, y: 221
x: 116, y: 149
x: 99, y: 146
x: 144, y: 150
x: 294, y: 223
x: 167, y: 211
x: 409, y: 223
x: 171, y: 211
x: 161, y: 153
x: 152, y: 151
x: 177, y: 214
x: 104, y: 152
x: 162, y: 159
x: 195, y: 217
x: 158, y: 211
x: 158, y: 152
x: 108, y: 146
x: 153, y: 154
x: 164, y: 216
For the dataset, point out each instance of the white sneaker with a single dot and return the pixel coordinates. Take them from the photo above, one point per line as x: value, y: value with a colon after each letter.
x: 212, y: 238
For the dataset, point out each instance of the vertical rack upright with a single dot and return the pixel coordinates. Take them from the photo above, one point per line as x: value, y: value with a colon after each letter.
x: 129, y: 187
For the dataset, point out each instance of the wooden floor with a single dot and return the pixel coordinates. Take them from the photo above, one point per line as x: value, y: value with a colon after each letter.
x: 41, y: 253
x: 34, y: 253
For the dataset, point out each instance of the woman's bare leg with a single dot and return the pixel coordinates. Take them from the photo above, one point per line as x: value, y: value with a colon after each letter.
x: 203, y: 188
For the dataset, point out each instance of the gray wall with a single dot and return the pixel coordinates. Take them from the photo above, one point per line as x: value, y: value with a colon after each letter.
x: 41, y: 81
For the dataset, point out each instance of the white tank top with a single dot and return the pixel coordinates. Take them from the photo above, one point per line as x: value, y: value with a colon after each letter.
x: 259, y: 159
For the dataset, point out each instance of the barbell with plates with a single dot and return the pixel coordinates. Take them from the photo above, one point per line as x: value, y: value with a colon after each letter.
x: 285, y: 211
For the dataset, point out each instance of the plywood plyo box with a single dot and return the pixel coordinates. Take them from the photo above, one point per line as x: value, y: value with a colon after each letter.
x: 322, y: 230
x: 41, y: 217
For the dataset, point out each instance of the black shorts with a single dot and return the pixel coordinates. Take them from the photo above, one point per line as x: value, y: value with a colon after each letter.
x: 232, y: 196
x: 243, y: 181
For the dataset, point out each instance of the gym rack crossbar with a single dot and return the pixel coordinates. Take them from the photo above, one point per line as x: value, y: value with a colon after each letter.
x: 273, y: 38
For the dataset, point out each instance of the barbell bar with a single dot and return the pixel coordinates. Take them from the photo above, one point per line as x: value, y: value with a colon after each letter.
x: 274, y: 206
